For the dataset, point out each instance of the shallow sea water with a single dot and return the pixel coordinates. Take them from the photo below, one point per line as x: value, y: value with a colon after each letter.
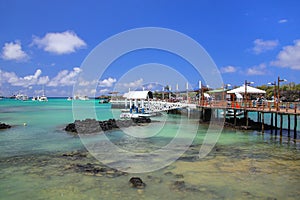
x: 41, y: 161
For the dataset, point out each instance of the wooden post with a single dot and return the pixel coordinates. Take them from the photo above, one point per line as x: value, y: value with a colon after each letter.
x: 234, y: 117
x: 276, y: 122
x: 272, y: 123
x: 289, y: 125
x: 262, y: 123
x: 247, y: 122
x: 281, y: 121
x: 295, y: 127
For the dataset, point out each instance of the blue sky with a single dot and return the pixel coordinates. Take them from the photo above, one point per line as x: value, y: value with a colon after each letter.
x: 43, y: 43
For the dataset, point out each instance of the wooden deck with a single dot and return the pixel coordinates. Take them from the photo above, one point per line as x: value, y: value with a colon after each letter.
x: 269, y: 107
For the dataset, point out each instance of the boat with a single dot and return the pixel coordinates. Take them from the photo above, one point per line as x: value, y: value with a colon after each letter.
x: 230, y: 112
x: 40, y: 98
x: 128, y: 115
x: 103, y: 101
x: 69, y: 99
x: 21, y: 97
x: 83, y: 98
x: 43, y: 98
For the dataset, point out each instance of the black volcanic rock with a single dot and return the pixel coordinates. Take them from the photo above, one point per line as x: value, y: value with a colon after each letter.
x: 88, y: 126
x: 4, y: 126
x: 137, y: 182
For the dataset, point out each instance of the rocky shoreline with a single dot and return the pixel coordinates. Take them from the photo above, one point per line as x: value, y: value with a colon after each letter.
x: 89, y: 126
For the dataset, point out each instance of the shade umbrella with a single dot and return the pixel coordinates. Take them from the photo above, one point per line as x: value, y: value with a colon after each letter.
x: 250, y: 90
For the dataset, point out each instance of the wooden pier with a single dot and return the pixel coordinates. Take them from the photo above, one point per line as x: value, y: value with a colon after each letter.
x: 289, y: 109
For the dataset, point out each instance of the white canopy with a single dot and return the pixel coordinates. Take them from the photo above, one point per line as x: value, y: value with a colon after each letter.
x: 250, y: 90
x: 138, y: 95
x: 206, y: 95
x: 238, y: 96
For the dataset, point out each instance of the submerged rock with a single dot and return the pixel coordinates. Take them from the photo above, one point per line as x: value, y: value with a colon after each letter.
x: 90, y: 169
x: 4, y: 126
x: 137, y: 182
x: 178, y: 186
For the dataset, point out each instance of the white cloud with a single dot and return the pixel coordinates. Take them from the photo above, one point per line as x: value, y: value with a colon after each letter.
x: 26, y: 81
x: 257, y: 70
x: 228, y: 69
x: 261, y: 46
x: 103, y: 91
x: 59, y: 43
x: 65, y: 78
x: 13, y: 51
x: 43, y: 80
x: 282, y: 21
x: 107, y: 82
x: 93, y: 92
x: 289, y: 56
x: 134, y: 84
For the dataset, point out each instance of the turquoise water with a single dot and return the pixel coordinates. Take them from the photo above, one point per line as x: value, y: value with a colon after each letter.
x: 242, y: 165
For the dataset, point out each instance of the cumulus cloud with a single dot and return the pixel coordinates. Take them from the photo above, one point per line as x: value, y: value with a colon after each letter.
x: 26, y: 81
x: 257, y: 70
x: 65, y: 78
x: 228, y: 69
x: 103, y: 91
x: 107, y: 82
x: 59, y: 43
x: 13, y: 51
x: 282, y: 21
x: 43, y: 80
x: 261, y: 46
x: 289, y: 56
x: 134, y: 84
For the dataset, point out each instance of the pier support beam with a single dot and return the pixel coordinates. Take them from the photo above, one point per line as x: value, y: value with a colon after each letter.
x: 295, y: 127
x: 247, y: 122
x: 281, y: 122
x: 276, y: 123
x: 289, y: 125
x: 272, y: 124
x: 234, y: 115
x: 262, y: 122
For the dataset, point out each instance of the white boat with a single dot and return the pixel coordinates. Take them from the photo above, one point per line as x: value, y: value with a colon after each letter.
x: 22, y: 97
x: 69, y: 99
x: 83, y: 98
x: 43, y: 98
x: 127, y: 115
x: 40, y: 98
x: 230, y: 112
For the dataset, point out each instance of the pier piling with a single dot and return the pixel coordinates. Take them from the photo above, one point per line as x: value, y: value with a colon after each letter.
x: 262, y: 123
x: 295, y: 127
x: 281, y: 122
x: 289, y: 125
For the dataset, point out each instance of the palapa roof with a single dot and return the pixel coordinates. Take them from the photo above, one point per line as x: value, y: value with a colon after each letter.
x: 250, y: 90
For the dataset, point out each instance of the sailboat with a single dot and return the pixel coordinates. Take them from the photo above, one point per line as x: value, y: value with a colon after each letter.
x: 40, y: 98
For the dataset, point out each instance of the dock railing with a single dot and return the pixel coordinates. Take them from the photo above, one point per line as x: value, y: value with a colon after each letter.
x: 267, y: 106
